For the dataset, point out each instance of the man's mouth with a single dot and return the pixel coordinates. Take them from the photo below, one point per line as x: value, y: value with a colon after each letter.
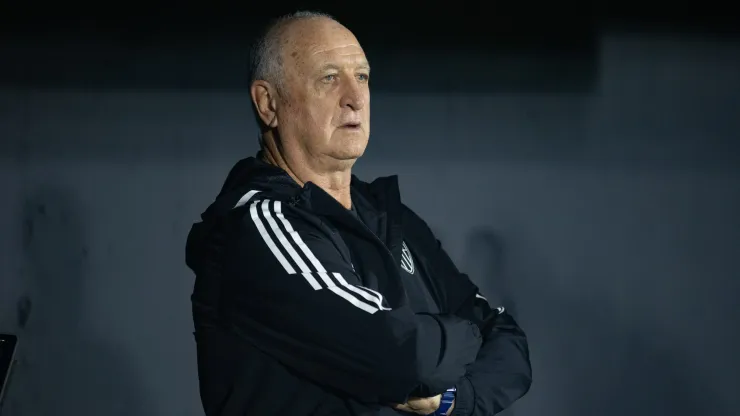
x: 351, y: 126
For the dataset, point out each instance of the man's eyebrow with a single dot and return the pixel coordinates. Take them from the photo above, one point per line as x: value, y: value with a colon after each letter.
x: 326, y: 67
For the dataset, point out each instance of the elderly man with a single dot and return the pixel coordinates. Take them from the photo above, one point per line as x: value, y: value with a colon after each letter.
x: 319, y: 294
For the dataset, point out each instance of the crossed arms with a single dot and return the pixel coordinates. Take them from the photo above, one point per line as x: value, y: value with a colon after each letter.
x: 337, y: 333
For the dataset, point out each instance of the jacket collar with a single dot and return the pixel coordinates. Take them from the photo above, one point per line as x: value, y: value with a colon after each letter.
x: 378, y: 202
x: 381, y: 201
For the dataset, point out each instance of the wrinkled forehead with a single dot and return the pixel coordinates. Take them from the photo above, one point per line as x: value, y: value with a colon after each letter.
x: 315, y: 43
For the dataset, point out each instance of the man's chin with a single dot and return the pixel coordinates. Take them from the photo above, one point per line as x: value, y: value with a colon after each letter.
x: 351, y: 155
x: 349, y: 150
x: 345, y: 162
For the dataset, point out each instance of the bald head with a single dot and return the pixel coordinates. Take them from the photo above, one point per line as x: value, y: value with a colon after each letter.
x: 268, y: 53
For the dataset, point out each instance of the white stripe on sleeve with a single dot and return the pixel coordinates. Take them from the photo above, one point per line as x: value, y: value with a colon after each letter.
x: 305, y: 271
x: 367, y: 289
x: 366, y: 301
x: 298, y: 240
x: 346, y: 296
x: 376, y: 300
x: 268, y: 240
x: 245, y: 198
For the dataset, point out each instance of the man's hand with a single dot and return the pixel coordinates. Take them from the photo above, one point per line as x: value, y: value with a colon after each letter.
x: 422, y: 405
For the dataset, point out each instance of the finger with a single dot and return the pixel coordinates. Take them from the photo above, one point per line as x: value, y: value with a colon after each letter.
x: 420, y: 401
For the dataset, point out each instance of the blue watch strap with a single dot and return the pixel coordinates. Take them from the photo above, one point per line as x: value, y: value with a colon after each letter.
x: 448, y: 398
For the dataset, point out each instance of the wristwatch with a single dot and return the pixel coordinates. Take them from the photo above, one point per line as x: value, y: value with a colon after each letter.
x: 448, y: 398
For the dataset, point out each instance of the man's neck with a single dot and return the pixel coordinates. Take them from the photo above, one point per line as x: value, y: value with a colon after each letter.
x: 334, y: 182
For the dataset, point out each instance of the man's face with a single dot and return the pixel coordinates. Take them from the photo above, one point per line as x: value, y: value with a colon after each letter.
x: 325, y: 102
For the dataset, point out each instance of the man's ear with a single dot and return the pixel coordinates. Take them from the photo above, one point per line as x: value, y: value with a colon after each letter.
x: 264, y: 97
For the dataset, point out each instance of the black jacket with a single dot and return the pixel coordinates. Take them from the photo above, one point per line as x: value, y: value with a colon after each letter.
x: 299, y: 308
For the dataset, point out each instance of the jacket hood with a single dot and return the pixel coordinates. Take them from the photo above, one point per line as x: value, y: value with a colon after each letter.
x: 248, y: 174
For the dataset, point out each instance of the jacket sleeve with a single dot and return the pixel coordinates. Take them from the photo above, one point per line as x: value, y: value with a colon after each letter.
x: 294, y: 296
x: 502, y: 372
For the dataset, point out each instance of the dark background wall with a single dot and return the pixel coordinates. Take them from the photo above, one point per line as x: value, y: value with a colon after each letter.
x: 589, y: 175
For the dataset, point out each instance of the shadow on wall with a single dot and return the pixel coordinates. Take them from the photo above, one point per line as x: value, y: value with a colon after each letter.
x: 586, y: 359
x: 64, y: 368
x: 484, y: 263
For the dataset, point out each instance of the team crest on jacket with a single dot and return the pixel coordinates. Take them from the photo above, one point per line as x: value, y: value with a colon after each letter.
x: 407, y: 262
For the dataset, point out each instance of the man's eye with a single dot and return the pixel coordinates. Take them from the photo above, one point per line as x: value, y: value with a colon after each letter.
x: 364, y: 77
x: 330, y: 78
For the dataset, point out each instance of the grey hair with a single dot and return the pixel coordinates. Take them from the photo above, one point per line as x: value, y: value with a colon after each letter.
x: 266, y: 60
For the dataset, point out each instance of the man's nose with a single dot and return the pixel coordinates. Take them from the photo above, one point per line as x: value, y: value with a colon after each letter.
x: 353, y: 97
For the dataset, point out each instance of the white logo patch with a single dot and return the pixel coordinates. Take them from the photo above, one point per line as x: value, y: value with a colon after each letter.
x: 407, y: 261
